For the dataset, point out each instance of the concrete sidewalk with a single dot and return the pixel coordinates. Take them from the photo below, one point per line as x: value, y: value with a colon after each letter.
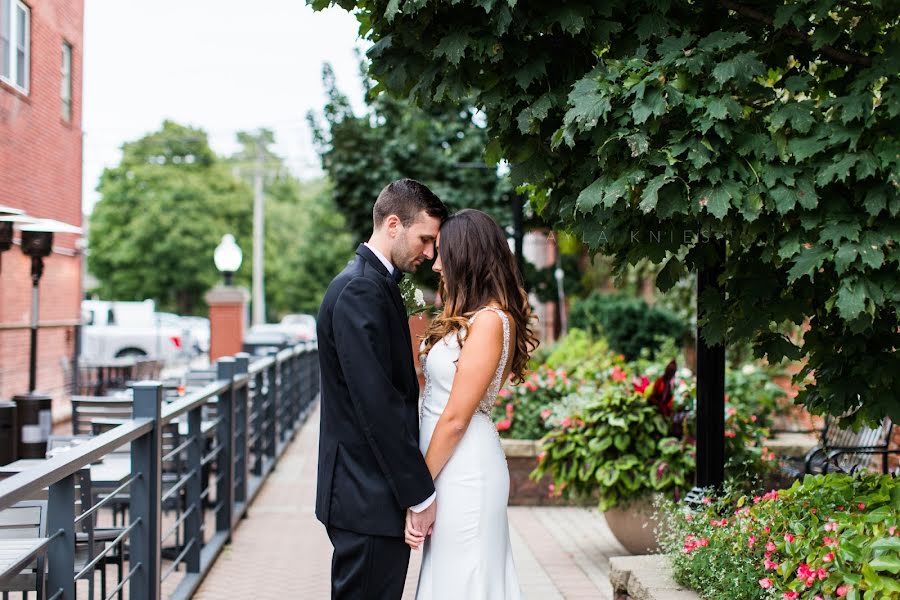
x: 281, y: 551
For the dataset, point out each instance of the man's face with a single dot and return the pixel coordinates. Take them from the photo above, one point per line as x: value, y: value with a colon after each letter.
x: 414, y: 245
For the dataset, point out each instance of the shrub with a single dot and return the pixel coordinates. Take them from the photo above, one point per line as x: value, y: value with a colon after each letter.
x: 829, y: 536
x: 629, y: 324
x: 519, y: 408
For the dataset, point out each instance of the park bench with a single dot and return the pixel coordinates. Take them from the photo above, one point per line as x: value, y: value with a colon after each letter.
x: 844, y: 450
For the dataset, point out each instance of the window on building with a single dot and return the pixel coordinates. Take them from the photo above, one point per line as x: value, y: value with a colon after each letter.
x: 15, y: 43
x: 65, y: 92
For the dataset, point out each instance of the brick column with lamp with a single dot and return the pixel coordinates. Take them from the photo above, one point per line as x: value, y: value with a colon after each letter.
x: 227, y: 304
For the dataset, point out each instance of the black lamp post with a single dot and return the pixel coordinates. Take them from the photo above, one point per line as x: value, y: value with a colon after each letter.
x: 37, y: 243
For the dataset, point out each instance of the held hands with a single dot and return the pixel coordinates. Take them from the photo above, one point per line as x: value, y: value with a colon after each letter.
x: 419, y: 525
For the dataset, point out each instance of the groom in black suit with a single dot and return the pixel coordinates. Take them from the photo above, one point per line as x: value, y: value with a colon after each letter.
x: 371, y: 471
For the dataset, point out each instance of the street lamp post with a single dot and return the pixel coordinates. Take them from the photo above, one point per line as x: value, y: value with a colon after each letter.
x: 228, y: 258
x: 37, y: 243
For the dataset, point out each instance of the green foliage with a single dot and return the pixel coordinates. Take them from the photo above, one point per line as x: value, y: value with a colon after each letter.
x: 619, y: 447
x: 629, y: 324
x: 439, y: 146
x: 652, y: 128
x: 829, y: 536
x: 162, y: 212
x: 306, y: 243
x: 521, y: 410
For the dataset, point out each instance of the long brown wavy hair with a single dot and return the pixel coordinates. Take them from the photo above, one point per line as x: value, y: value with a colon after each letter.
x: 478, y: 269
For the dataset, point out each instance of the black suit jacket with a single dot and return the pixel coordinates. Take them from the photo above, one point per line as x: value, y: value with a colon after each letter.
x: 370, y: 466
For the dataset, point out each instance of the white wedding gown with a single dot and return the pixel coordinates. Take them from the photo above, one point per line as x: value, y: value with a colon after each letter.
x: 468, y: 556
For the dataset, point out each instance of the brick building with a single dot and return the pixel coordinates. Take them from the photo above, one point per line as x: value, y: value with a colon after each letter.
x: 40, y: 173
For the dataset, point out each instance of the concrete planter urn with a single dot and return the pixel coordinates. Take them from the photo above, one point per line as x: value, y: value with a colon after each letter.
x: 634, y: 524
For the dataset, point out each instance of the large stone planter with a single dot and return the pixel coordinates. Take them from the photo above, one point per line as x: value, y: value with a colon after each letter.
x: 634, y: 525
x: 521, y: 458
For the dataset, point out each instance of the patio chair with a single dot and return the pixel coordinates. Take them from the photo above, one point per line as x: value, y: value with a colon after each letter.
x: 25, y: 520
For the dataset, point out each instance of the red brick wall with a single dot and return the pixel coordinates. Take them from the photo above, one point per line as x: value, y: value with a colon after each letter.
x: 226, y: 330
x: 40, y: 172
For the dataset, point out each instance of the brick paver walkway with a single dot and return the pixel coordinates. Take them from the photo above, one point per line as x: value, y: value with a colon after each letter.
x: 281, y: 551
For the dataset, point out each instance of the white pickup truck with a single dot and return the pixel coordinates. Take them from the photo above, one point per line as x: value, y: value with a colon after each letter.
x: 119, y: 329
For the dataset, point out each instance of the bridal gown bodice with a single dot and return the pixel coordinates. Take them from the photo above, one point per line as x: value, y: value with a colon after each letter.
x: 468, y: 554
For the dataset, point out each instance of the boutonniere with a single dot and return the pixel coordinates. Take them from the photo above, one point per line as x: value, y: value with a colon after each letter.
x: 413, y: 298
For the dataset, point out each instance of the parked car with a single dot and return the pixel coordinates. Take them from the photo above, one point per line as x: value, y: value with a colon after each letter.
x: 120, y: 329
x: 263, y: 339
x: 199, y: 328
x: 302, y: 325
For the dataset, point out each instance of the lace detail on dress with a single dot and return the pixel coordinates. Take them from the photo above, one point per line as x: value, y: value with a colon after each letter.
x: 486, y: 406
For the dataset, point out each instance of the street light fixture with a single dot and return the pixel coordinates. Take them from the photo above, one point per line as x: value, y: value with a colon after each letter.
x: 37, y: 242
x: 228, y: 257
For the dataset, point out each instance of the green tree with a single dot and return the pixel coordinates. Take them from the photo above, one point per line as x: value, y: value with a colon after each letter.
x: 768, y: 127
x: 440, y: 146
x: 162, y: 212
x: 306, y: 240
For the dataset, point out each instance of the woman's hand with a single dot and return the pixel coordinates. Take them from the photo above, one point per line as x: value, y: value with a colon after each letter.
x: 412, y: 537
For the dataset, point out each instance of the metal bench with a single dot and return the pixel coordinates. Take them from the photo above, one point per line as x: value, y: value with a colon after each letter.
x: 846, y: 451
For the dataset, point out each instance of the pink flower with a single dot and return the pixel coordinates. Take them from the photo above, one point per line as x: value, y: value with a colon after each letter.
x: 751, y: 540
x: 753, y: 418
x: 509, y: 408
x: 842, y: 591
x: 831, y: 526
x: 770, y: 564
x: 822, y: 574
x: 566, y: 422
x: 504, y: 425
x: 791, y: 595
x: 706, y: 500
x: 640, y: 385
x: 530, y: 386
x: 504, y: 393
x: 765, y: 583
x: 789, y: 537
x: 541, y: 456
x: 618, y: 374
x: 730, y: 434
x: 770, y: 546
x: 862, y: 506
x: 545, y: 413
x: 891, y: 530
x: 828, y: 557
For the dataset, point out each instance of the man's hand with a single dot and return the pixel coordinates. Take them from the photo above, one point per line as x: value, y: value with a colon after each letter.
x: 419, y: 525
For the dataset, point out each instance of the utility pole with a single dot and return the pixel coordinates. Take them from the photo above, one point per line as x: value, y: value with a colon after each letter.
x: 258, y: 297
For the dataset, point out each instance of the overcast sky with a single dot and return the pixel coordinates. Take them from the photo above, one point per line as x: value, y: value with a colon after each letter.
x: 223, y: 65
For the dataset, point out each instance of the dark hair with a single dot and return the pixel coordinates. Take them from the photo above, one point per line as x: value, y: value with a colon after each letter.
x: 406, y: 198
x: 477, y: 268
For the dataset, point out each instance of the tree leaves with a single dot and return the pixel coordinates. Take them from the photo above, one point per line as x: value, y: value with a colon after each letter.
x: 588, y: 105
x: 453, y: 46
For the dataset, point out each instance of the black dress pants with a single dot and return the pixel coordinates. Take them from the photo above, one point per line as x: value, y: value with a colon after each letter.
x: 367, y: 567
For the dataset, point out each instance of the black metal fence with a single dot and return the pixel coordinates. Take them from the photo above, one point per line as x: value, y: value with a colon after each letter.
x: 200, y: 458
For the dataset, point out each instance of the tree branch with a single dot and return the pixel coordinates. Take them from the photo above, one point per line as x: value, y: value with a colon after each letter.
x: 835, y: 53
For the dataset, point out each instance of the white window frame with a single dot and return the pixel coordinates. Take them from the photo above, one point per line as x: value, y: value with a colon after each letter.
x: 65, y: 92
x: 14, y: 42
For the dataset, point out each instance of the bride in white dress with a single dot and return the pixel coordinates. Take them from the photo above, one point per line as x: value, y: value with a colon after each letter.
x: 482, y: 337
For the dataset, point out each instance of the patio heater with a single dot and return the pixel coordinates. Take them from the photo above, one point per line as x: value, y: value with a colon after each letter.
x: 37, y: 243
x: 228, y: 257
x: 9, y: 216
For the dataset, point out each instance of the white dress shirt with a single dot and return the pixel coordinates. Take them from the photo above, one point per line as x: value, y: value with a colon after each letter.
x: 390, y: 267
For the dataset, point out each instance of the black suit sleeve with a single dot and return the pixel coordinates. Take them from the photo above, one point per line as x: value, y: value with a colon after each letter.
x: 360, y: 332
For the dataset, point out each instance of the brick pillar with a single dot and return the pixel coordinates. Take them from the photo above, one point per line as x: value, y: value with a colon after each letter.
x: 227, y: 319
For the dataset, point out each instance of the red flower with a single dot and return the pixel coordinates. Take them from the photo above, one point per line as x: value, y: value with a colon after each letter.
x: 640, y: 385
x: 789, y: 537
x: 504, y: 425
x: 791, y: 595
x: 618, y: 374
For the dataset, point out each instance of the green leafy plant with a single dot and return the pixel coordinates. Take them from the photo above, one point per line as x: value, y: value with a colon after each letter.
x: 521, y: 410
x: 760, y: 139
x: 629, y: 324
x: 829, y: 536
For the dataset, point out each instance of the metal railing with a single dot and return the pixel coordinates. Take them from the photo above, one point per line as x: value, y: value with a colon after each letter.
x: 237, y: 427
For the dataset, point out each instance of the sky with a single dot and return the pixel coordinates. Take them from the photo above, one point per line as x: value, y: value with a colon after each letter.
x: 221, y: 65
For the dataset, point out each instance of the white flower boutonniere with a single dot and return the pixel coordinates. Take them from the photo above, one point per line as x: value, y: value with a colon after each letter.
x: 413, y: 298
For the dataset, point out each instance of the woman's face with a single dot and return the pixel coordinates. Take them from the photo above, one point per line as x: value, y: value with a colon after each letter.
x: 436, y: 267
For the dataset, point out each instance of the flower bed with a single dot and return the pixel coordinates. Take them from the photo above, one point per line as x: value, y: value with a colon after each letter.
x: 827, y: 537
